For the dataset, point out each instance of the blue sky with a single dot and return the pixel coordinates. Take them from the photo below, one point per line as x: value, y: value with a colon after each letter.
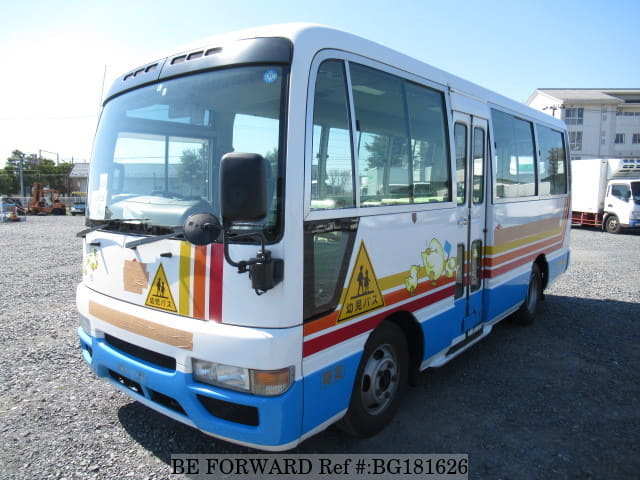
x: 54, y: 53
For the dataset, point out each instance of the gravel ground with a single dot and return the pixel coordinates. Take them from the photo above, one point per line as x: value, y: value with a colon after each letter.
x: 558, y: 399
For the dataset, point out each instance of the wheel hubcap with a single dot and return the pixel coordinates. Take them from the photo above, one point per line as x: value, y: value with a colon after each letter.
x: 379, y: 380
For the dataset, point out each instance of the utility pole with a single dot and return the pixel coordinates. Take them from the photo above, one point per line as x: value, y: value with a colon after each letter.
x: 21, y: 179
x: 553, y: 108
x: 47, y: 151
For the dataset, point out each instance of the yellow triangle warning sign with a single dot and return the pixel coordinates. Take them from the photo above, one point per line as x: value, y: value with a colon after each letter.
x: 363, y: 292
x: 160, y: 293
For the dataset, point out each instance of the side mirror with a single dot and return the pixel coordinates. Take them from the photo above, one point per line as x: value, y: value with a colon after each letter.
x: 243, y: 187
x: 202, y: 229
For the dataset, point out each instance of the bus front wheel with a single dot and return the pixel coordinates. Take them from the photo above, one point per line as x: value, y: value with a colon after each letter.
x: 380, y: 382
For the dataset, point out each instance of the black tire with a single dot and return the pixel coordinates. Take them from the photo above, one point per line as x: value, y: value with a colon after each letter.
x: 385, y: 365
x: 612, y: 224
x: 527, y: 312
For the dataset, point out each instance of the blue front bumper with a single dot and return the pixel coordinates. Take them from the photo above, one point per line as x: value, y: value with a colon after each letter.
x: 265, y: 422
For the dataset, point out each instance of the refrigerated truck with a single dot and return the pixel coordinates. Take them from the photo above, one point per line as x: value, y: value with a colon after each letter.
x: 606, y: 193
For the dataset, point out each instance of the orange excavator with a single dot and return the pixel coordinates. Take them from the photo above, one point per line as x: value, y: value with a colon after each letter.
x: 45, y: 201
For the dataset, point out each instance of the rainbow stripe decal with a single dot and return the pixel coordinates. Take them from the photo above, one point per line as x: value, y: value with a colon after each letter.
x: 200, y: 281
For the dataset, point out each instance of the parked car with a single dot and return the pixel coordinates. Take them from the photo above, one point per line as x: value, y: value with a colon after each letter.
x: 78, y: 208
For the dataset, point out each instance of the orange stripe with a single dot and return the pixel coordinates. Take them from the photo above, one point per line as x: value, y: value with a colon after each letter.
x: 496, y: 272
x: 517, y: 232
x: 492, y: 262
x: 199, y: 277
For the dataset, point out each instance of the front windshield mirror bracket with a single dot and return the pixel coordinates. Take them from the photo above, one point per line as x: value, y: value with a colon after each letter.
x: 265, y: 272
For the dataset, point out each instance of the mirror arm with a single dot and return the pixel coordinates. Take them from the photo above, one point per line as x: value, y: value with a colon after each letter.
x: 242, y: 265
x: 265, y: 272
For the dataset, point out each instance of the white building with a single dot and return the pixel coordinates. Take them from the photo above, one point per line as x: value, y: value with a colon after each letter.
x: 602, y: 123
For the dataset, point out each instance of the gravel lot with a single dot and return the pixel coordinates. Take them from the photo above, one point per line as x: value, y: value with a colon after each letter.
x: 558, y: 399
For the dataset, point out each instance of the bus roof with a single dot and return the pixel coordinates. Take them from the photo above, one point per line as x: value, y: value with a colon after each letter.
x: 309, y: 38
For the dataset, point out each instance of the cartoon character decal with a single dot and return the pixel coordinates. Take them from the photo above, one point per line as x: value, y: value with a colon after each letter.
x: 436, y: 262
x: 411, y: 282
x: 90, y: 261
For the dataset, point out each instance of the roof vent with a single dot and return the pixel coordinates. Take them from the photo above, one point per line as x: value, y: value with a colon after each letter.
x: 195, y: 55
x: 140, y: 71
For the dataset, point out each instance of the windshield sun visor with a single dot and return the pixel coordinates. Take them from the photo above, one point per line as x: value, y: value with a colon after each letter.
x: 274, y: 51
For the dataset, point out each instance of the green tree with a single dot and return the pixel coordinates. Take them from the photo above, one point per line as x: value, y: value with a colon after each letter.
x: 34, y: 169
x: 192, y: 172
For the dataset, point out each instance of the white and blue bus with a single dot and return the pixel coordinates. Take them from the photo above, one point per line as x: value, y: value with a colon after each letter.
x: 286, y: 225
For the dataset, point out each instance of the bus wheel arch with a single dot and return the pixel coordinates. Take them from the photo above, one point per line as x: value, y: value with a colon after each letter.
x: 415, y: 341
x: 380, y: 382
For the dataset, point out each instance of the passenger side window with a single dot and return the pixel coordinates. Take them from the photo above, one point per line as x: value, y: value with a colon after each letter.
x: 332, y: 161
x: 515, y: 172
x: 383, y: 137
x: 429, y: 145
x: 552, y: 164
x: 402, y: 144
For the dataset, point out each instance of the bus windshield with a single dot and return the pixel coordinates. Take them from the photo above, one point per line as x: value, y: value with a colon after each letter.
x: 158, y: 148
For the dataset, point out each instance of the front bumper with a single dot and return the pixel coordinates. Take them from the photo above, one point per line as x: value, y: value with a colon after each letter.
x: 270, y: 423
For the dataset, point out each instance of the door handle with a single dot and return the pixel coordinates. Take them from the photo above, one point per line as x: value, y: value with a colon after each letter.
x: 463, y: 221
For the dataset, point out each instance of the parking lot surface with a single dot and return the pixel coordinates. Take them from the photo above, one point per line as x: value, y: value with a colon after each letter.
x: 558, y: 399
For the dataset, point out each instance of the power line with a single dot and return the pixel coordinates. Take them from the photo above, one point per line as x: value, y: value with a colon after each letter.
x: 69, y: 117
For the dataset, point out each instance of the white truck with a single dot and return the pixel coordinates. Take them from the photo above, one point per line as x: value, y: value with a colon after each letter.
x: 606, y: 193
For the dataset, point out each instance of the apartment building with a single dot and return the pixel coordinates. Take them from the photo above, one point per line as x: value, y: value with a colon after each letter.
x: 602, y: 123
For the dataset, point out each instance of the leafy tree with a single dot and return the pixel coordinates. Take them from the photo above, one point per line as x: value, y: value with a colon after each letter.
x: 192, y: 171
x: 34, y: 169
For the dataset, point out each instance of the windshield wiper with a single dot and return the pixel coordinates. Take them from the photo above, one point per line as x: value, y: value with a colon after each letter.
x: 135, y: 243
x: 108, y: 222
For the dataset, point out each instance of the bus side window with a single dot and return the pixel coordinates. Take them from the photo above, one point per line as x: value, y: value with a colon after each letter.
x: 429, y: 144
x: 383, y: 137
x: 475, y: 267
x: 460, y: 272
x: 327, y: 247
x: 515, y: 156
x: 332, y: 163
x: 478, y: 166
x: 460, y: 136
x: 552, y: 166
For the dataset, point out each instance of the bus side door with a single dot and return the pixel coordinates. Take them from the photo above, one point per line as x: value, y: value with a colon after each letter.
x: 470, y: 139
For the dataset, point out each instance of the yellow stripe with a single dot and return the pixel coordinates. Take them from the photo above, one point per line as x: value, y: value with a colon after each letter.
x: 185, y: 278
x: 503, y: 247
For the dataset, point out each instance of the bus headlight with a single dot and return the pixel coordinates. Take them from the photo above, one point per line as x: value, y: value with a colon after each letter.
x: 258, y: 382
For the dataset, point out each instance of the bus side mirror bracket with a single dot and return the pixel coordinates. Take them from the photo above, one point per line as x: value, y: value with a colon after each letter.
x: 243, y: 198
